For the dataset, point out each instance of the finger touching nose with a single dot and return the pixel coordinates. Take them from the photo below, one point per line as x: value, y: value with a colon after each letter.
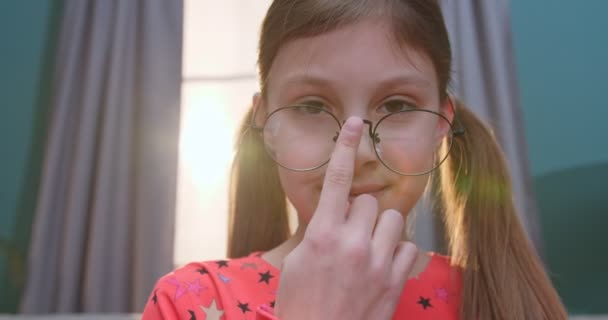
x: 366, y: 155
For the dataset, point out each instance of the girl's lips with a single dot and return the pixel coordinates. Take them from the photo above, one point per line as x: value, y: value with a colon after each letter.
x: 376, y: 194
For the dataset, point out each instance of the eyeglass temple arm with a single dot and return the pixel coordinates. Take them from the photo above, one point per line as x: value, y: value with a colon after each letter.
x: 252, y: 124
x: 458, y: 128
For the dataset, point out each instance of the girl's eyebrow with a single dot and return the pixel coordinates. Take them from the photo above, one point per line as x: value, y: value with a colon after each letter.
x: 306, y: 79
x: 404, y: 80
x: 317, y: 80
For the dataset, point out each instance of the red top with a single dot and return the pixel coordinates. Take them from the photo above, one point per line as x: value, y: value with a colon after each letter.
x: 245, y: 288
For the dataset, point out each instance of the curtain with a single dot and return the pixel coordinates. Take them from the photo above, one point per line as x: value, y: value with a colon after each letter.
x: 484, y: 77
x: 103, y: 231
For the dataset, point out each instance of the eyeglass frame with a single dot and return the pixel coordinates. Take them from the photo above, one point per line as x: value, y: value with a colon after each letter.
x: 457, y: 130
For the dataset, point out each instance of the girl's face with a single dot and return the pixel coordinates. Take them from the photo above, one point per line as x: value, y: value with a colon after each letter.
x: 357, y: 70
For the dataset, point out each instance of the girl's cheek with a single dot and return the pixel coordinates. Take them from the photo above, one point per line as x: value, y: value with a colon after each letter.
x: 406, y: 194
x: 301, y: 188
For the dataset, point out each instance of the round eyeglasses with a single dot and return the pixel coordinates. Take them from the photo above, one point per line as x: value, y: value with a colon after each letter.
x: 302, y: 137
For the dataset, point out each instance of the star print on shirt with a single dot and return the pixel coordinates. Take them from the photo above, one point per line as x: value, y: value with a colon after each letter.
x: 265, y: 277
x: 196, y: 287
x: 442, y: 294
x: 223, y: 278
x: 192, y: 315
x: 202, y: 271
x: 155, y: 298
x: 212, y: 312
x: 180, y: 289
x: 425, y: 302
x: 238, y: 290
x: 244, y: 307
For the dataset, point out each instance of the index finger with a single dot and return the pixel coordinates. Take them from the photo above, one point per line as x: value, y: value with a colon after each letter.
x: 339, y: 174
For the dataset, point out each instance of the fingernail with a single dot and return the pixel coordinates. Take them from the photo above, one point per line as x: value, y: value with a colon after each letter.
x: 353, y: 124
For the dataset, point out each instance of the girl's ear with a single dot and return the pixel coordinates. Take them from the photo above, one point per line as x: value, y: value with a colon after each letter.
x: 448, y: 111
x: 258, y: 109
x: 449, y: 107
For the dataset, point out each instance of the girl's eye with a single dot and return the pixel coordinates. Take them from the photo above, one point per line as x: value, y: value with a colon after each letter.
x: 395, y: 106
x: 311, y: 107
x: 308, y: 109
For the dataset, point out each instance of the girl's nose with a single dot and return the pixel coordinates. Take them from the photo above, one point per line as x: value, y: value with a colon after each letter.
x: 366, y: 156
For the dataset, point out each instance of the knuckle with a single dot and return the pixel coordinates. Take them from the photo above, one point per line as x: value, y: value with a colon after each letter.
x: 378, y: 275
x: 357, y: 251
x: 321, y: 241
x: 339, y: 175
x: 387, y: 284
x: 377, y: 270
x: 392, y: 289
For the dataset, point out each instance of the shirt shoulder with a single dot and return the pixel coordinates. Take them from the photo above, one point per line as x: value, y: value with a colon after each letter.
x: 433, y: 294
x: 212, y: 289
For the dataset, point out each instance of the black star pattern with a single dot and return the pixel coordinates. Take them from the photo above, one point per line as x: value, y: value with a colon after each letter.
x: 425, y: 302
x: 222, y: 263
x: 155, y: 299
x: 192, y: 315
x: 265, y: 277
x: 272, y: 303
x: 244, y: 307
x: 202, y: 271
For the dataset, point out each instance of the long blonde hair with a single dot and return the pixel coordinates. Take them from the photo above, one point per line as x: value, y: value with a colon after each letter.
x: 503, y: 277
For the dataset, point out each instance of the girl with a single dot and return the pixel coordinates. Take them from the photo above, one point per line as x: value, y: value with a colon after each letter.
x: 352, y: 125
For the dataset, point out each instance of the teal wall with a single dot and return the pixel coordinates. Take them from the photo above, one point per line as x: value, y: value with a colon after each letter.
x: 27, y: 33
x: 562, y: 56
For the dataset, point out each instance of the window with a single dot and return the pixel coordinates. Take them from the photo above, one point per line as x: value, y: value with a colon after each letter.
x: 219, y: 79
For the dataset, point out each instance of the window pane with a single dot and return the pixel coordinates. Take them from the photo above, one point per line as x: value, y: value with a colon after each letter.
x: 211, y: 113
x: 220, y: 37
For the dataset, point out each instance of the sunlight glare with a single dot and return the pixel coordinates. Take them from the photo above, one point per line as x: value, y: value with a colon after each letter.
x: 206, y: 140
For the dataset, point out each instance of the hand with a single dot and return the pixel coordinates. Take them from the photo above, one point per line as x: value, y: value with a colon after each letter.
x: 351, y: 263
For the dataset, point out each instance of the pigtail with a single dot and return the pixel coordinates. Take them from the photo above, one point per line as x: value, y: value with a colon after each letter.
x: 503, y: 277
x: 258, y: 219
